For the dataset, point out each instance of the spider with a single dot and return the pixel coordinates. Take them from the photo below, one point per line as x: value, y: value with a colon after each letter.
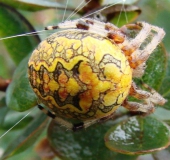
x: 85, y: 72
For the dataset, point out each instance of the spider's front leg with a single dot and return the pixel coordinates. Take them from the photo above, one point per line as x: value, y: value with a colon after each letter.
x: 88, y: 24
x: 94, y: 26
x: 137, y: 56
x: 150, y: 99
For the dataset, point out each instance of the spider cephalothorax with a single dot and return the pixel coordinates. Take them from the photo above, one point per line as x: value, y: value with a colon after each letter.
x: 85, y: 71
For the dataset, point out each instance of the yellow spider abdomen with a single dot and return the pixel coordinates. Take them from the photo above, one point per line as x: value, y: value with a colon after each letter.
x: 80, y: 75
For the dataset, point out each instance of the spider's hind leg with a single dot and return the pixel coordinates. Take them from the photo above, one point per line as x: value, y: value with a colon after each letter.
x: 149, y: 99
x: 59, y: 120
x: 156, y: 98
x: 69, y: 125
x: 65, y: 123
x: 147, y: 108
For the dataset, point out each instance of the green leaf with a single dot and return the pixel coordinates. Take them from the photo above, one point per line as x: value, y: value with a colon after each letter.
x: 156, y: 68
x: 4, y: 71
x: 19, y: 94
x: 3, y: 111
x: 13, y: 23
x: 164, y: 89
x: 13, y: 117
x: 84, y: 144
x: 162, y: 113
x: 115, y: 15
x: 167, y: 97
x: 2, y: 102
x: 28, y: 137
x: 32, y: 5
x: 118, y: 17
x: 138, y: 135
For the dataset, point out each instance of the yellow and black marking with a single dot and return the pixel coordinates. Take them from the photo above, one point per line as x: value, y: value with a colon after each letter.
x: 79, y: 75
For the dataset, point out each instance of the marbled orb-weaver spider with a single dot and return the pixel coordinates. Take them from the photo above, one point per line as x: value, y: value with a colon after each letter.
x: 85, y: 71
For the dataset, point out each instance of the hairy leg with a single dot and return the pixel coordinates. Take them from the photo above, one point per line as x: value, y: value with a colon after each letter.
x: 150, y: 98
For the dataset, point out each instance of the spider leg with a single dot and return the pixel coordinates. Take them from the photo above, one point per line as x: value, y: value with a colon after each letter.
x: 129, y: 46
x: 138, y: 93
x: 139, y: 70
x: 150, y: 99
x: 84, y: 24
x: 94, y: 26
x: 57, y: 119
x: 69, y: 125
x: 141, y: 56
x: 135, y: 106
x: 156, y: 98
x: 137, y: 57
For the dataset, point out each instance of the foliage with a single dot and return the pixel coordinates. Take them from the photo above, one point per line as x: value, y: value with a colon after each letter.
x: 124, y: 137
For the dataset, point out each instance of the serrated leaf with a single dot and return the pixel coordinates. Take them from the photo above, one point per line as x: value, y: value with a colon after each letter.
x: 19, y: 94
x: 32, y: 5
x: 13, y: 23
x: 138, y: 135
x: 28, y: 137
